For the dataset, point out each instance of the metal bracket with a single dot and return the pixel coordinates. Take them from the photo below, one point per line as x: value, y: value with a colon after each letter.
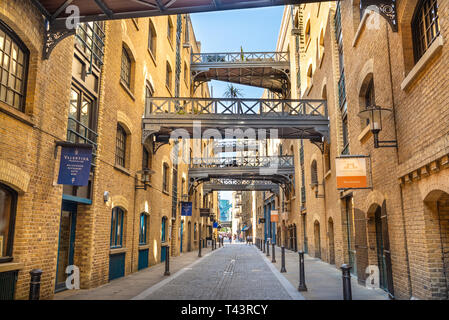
x: 53, y: 35
x: 386, y: 8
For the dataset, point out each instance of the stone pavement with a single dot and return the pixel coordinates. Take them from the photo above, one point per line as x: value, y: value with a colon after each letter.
x: 323, y: 281
x: 128, y: 287
x: 235, y: 272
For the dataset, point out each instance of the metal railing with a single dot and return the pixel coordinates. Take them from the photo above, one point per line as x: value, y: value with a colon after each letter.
x: 261, y: 162
x: 239, y: 57
x: 80, y: 133
x: 261, y: 107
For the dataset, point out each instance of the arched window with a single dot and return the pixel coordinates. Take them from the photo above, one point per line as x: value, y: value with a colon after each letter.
x: 13, y: 67
x: 309, y: 76
x: 164, y: 229
x: 425, y: 26
x: 144, y: 227
x: 165, y: 177
x: 168, y: 77
x: 117, y: 227
x: 170, y: 30
x: 307, y: 32
x: 314, y: 173
x: 8, y: 202
x: 125, y: 74
x: 370, y: 97
x: 321, y: 45
x: 152, y: 39
x: 120, y: 148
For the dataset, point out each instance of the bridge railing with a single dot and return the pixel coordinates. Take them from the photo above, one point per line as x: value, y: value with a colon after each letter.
x: 246, y: 107
x: 238, y: 162
x: 239, y: 57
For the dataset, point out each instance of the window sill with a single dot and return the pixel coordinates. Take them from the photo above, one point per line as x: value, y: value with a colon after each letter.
x: 128, y: 91
x: 328, y: 174
x: 144, y: 246
x: 365, y: 134
x: 118, y: 250
x: 152, y: 57
x: 361, y: 27
x: 11, y: 266
x: 16, y: 114
x: 308, y: 89
x: 165, y: 192
x: 122, y: 169
x: 435, y: 48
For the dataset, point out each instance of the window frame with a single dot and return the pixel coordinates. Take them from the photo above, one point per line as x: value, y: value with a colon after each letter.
x: 165, y: 177
x: 122, y: 155
x: 164, y: 229
x: 144, y: 237
x: 422, y: 19
x: 15, y: 40
x: 119, y: 212
x: 125, y: 77
x: 168, y: 76
x: 8, y: 254
x: 152, y: 39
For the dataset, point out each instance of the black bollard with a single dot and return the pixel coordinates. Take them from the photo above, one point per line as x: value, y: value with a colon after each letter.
x: 215, y: 242
x: 35, y: 284
x: 347, y: 291
x: 167, y: 261
x: 273, y: 259
x: 263, y: 245
x: 212, y: 244
x: 302, y: 281
x: 199, y: 248
x: 283, y: 260
x: 268, y: 248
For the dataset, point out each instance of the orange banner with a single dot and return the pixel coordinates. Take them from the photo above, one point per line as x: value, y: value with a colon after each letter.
x: 274, y: 216
x: 351, y: 173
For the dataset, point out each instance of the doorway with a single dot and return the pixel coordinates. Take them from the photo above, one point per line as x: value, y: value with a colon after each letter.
x: 383, y: 250
x: 316, y: 232
x: 330, y: 227
x: 66, y: 246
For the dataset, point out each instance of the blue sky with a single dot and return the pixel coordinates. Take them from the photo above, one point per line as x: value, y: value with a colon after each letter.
x: 227, y: 31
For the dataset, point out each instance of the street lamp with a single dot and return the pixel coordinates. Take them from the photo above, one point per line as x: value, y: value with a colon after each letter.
x: 145, y: 175
x: 374, y: 115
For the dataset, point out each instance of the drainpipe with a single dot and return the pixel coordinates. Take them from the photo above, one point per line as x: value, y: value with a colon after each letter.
x: 410, y: 291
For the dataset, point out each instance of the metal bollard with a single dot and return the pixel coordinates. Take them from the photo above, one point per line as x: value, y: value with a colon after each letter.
x: 215, y: 243
x: 347, y: 291
x: 268, y: 248
x: 263, y: 244
x: 167, y: 261
x: 199, y: 248
x: 212, y: 244
x: 273, y: 259
x: 35, y: 284
x: 283, y: 260
x: 302, y: 281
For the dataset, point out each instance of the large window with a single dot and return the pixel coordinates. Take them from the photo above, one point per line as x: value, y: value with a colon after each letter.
x: 144, y: 227
x: 125, y: 74
x: 425, y: 26
x: 82, y: 118
x: 90, y: 39
x: 8, y: 200
x: 170, y: 30
x: 152, y: 39
x: 13, y: 68
x: 120, y: 148
x: 117, y: 227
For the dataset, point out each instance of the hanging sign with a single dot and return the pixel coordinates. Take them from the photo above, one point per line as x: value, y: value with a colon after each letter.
x: 351, y: 172
x: 186, y: 209
x: 274, y: 216
x: 74, y: 168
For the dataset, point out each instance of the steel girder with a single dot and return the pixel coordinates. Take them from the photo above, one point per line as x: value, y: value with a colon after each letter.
x: 240, y: 185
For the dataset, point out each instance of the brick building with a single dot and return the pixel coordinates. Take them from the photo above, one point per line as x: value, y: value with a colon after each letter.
x: 353, y: 57
x: 93, y: 89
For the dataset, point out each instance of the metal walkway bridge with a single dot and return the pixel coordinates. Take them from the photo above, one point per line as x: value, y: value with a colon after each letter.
x: 269, y: 70
x: 276, y: 169
x: 287, y: 119
x: 225, y: 184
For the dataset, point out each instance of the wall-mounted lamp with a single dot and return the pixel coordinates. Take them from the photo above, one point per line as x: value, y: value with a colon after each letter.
x: 374, y: 114
x: 145, y: 175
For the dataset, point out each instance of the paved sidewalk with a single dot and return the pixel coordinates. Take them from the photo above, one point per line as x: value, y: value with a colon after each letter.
x: 323, y: 281
x: 130, y: 286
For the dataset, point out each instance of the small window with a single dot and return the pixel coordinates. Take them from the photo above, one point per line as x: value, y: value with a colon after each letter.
x: 145, y: 158
x: 8, y: 202
x: 168, y: 76
x: 144, y: 227
x: 345, y: 135
x: 120, y: 149
x: 148, y: 95
x: 314, y: 173
x: 117, y: 228
x: 165, y: 177
x: 307, y: 32
x: 125, y: 74
x: 164, y: 229
x: 370, y: 98
x: 152, y: 39
x: 170, y: 30
x: 13, y: 68
x: 425, y: 26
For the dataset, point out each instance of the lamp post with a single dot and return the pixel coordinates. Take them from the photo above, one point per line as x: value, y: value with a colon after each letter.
x: 145, y: 176
x: 374, y: 115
